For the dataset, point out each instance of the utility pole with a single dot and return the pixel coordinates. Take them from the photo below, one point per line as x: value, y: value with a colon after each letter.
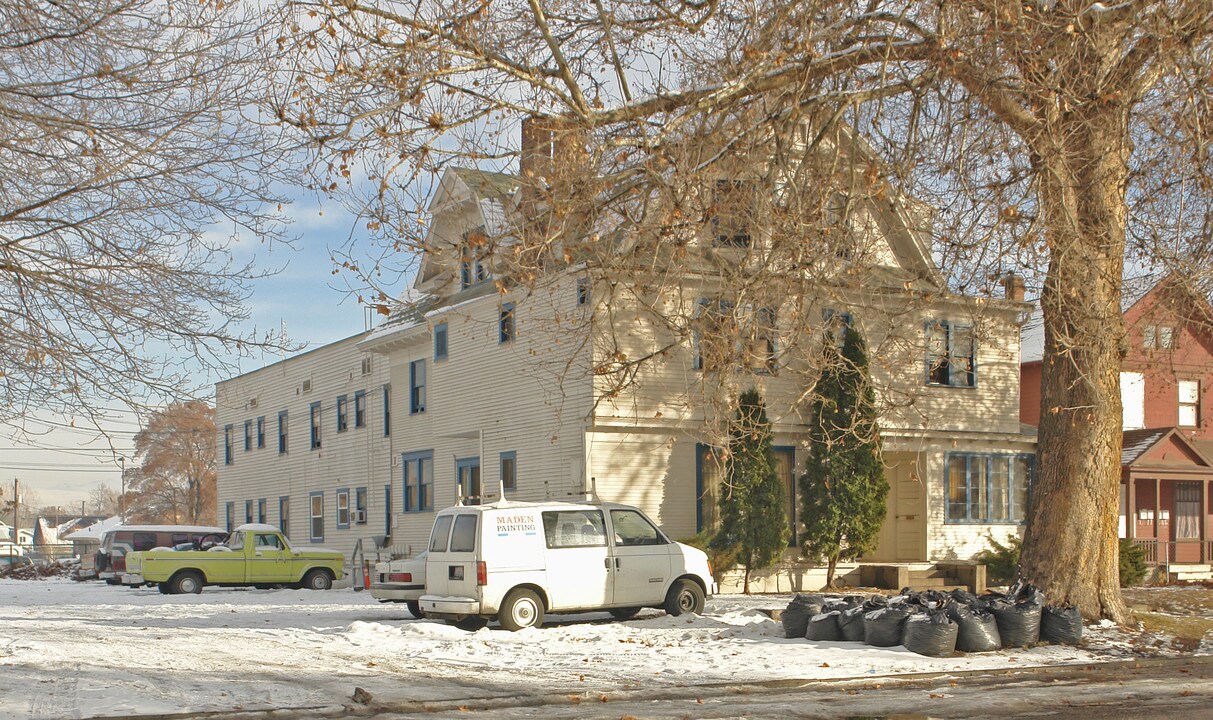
x: 122, y: 497
x: 16, y: 514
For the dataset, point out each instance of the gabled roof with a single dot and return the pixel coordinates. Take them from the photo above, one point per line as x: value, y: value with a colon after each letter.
x: 94, y: 531
x: 1137, y: 446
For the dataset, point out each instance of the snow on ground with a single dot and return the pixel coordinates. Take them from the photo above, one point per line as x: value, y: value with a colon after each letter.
x: 72, y: 649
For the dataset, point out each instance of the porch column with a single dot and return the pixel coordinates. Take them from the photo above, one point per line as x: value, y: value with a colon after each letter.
x: 1204, y: 522
x: 1160, y: 556
x: 1130, y: 507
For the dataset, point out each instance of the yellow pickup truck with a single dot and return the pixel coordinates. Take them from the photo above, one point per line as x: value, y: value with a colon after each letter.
x: 255, y: 554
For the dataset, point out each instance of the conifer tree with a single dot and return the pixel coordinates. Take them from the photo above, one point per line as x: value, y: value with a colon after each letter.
x: 843, y: 489
x: 753, y: 512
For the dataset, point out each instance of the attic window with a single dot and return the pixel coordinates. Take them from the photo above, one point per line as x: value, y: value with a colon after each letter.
x: 473, y: 269
x: 1161, y: 337
x: 732, y: 208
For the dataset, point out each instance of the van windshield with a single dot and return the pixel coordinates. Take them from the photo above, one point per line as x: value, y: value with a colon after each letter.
x: 442, y: 530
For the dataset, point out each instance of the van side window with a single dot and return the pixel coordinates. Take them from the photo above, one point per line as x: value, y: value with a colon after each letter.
x: 179, y: 538
x: 463, y: 538
x: 442, y: 530
x: 143, y: 541
x: 574, y: 528
x: 632, y: 528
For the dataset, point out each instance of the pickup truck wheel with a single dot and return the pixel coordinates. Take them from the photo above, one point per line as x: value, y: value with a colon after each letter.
x: 317, y: 580
x: 186, y: 583
x: 624, y: 613
x: 471, y: 623
x: 685, y: 596
x: 521, y: 609
x: 414, y: 608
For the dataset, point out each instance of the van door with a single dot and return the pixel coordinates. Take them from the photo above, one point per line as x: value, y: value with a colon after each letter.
x: 578, y: 560
x: 450, y: 568
x: 641, y: 559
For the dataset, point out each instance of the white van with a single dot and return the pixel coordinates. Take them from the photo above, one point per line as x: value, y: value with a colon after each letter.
x: 518, y: 561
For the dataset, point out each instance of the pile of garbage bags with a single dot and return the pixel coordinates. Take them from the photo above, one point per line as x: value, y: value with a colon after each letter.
x: 935, y: 623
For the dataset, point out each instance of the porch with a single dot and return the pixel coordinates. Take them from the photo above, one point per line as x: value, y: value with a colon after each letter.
x: 1165, y: 501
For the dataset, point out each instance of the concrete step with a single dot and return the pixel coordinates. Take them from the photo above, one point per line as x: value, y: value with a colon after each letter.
x: 934, y: 583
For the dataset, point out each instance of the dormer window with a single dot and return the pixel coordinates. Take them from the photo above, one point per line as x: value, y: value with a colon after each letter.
x: 732, y: 209
x: 473, y: 267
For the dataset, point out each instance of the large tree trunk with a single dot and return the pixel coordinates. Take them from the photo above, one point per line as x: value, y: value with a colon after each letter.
x: 1070, y: 547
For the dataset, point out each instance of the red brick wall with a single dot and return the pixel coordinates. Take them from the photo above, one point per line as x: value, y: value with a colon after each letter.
x: 1029, y: 393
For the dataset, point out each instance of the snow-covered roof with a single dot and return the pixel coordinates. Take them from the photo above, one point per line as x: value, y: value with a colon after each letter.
x: 171, y: 528
x: 94, y: 531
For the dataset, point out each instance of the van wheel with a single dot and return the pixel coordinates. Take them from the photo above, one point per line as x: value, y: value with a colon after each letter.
x: 186, y: 583
x: 317, y: 580
x: 163, y: 588
x: 685, y: 596
x: 624, y: 613
x: 471, y: 623
x: 414, y: 608
x: 522, y: 609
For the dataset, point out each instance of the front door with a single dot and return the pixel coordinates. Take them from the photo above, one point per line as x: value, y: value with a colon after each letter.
x: 467, y: 473
x: 578, y: 563
x: 641, y: 559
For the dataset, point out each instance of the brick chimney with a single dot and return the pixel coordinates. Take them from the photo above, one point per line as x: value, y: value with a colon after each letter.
x: 552, y: 152
x: 1013, y: 287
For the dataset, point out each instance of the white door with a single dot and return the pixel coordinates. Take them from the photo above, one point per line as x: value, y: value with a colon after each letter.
x: 578, y: 563
x: 641, y: 559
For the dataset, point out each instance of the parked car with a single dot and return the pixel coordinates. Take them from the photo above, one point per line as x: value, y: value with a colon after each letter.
x: 517, y: 562
x: 110, y: 558
x: 255, y: 554
x: 14, y: 561
x: 401, y: 581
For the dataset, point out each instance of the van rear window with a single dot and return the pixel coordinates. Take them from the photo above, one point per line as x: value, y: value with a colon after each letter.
x: 442, y: 531
x: 144, y: 541
x: 463, y: 538
x: 573, y: 528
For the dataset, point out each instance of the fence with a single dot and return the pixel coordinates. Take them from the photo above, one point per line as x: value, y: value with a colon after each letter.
x: 1171, y: 552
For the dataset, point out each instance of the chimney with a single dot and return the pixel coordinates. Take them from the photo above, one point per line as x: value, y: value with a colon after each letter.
x: 1013, y: 287
x: 552, y: 152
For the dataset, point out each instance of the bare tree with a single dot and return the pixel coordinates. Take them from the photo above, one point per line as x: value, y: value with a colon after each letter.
x: 1064, y: 140
x: 131, y: 156
x: 175, y: 479
x: 103, y: 500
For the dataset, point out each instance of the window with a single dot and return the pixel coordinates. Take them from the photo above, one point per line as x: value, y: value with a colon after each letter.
x: 440, y: 341
x: 317, y: 525
x: 708, y: 470
x: 441, y: 534
x: 315, y: 425
x: 583, y: 291
x: 261, y: 510
x: 227, y: 444
x: 143, y: 541
x: 467, y: 478
x: 248, y: 435
x: 463, y: 534
x: 1189, y: 403
x: 342, y: 413
x: 713, y: 338
x: 417, y: 386
x: 387, y: 410
x: 988, y: 488
x: 360, y: 409
x: 270, y: 542
x: 343, y: 508
x: 509, y: 470
x: 261, y: 432
x: 229, y: 515
x: 1187, y: 510
x: 360, y: 506
x: 574, y: 528
x: 418, y: 481
x: 387, y: 510
x: 284, y: 515
x: 836, y: 325
x: 1158, y: 337
x: 505, y: 323
x: 760, y: 355
x: 248, y: 511
x: 732, y: 206
x: 472, y: 267
x: 632, y: 528
x: 282, y: 433
x: 951, y: 355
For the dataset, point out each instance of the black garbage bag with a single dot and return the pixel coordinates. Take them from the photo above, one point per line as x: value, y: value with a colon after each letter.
x: 882, y: 628
x: 930, y: 633
x: 964, y: 597
x: 1018, y: 624
x: 977, y: 630
x: 825, y: 626
x: 1061, y: 625
x: 850, y: 623
x: 796, y: 616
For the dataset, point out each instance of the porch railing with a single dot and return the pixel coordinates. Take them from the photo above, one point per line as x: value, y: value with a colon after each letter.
x: 1171, y: 552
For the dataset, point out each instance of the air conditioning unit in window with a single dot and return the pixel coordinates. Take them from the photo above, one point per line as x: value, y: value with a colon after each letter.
x: 360, y: 517
x: 366, y: 366
x: 252, y: 404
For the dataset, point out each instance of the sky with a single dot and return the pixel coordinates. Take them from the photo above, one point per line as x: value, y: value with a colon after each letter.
x: 62, y: 465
